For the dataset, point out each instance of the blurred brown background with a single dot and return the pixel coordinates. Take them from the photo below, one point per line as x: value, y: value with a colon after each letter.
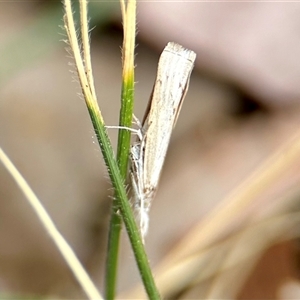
x: 243, y: 103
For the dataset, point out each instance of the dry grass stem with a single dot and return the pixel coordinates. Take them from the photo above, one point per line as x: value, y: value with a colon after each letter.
x: 200, y: 255
x: 62, y: 245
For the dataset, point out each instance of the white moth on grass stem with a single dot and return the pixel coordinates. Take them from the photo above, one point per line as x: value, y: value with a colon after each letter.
x: 149, y: 152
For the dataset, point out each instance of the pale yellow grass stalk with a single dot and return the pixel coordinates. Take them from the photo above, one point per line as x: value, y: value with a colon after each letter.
x: 62, y: 245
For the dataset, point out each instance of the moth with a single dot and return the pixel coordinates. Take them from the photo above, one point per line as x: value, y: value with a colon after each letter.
x: 148, y: 153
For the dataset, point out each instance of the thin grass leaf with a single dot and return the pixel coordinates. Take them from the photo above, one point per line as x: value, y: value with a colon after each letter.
x: 108, y: 155
x: 125, y: 120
